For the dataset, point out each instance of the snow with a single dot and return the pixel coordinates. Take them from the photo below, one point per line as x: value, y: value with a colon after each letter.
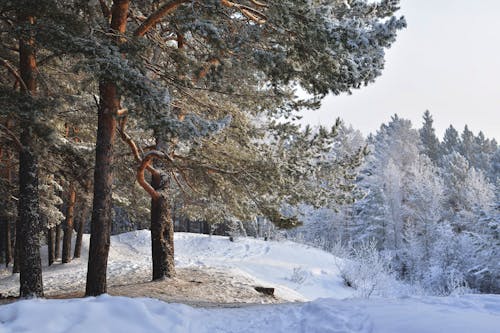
x: 298, y: 272
x: 466, y: 314
x: 267, y: 263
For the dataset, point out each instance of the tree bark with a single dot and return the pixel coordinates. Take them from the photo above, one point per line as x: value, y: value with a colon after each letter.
x: 100, y: 228
x: 3, y: 245
x: 15, y: 267
x: 162, y: 234
x: 51, y: 245
x: 68, y: 224
x: 57, y: 241
x: 8, y: 244
x: 30, y: 262
x: 79, y: 234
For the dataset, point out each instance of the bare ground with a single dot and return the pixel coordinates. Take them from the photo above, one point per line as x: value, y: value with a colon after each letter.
x: 207, y: 287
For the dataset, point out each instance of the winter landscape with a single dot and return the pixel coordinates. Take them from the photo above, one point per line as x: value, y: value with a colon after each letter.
x: 230, y: 166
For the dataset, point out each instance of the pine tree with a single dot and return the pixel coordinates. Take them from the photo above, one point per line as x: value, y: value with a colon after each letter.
x: 451, y: 141
x: 429, y: 139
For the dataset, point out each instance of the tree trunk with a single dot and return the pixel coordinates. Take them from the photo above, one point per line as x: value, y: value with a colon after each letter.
x: 8, y: 244
x: 57, y: 242
x: 51, y: 245
x: 15, y: 267
x: 3, y: 244
x: 68, y: 224
x: 30, y: 262
x: 162, y: 237
x: 79, y: 234
x: 100, y: 227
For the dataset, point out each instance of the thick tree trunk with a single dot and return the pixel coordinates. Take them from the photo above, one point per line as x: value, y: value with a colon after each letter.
x: 30, y: 262
x: 51, y: 245
x: 57, y: 241
x: 162, y: 238
x: 100, y: 228
x: 79, y: 234
x: 68, y: 225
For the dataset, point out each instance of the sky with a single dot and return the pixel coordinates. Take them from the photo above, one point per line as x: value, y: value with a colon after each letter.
x: 446, y: 61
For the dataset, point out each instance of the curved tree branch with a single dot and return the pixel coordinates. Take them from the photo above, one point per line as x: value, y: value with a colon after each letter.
x: 157, y: 16
x: 14, y: 73
x: 146, y: 161
x: 14, y: 138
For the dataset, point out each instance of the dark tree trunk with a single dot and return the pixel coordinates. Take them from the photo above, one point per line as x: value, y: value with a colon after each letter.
x: 15, y: 267
x: 30, y: 263
x: 51, y: 245
x: 162, y: 237
x: 3, y: 245
x: 8, y: 244
x: 68, y: 226
x: 57, y: 241
x: 100, y: 227
x: 79, y: 234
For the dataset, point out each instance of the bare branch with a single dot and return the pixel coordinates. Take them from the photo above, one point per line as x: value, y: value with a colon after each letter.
x: 13, y: 71
x: 157, y: 16
x: 14, y: 138
x: 105, y: 9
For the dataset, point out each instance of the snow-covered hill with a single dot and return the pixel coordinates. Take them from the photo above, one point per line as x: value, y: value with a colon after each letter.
x: 296, y: 271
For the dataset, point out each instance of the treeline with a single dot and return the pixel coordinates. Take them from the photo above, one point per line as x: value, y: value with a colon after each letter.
x: 432, y: 207
x: 171, y: 107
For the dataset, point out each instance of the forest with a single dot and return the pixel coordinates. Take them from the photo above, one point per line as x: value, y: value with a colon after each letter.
x: 124, y: 115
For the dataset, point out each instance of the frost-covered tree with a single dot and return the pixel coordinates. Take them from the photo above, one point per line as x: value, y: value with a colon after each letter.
x: 395, y: 149
x: 451, y: 141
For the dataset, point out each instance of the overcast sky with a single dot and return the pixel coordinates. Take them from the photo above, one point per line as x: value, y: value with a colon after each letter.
x: 446, y: 61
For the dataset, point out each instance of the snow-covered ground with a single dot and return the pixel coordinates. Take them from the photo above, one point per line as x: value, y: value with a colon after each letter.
x: 297, y: 271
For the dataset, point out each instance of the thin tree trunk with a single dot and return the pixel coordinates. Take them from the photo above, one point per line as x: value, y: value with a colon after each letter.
x: 79, y: 234
x: 100, y: 228
x: 68, y: 224
x: 15, y: 267
x: 51, y: 245
x: 30, y: 263
x: 57, y: 242
x: 162, y: 235
x: 8, y: 244
x: 3, y: 243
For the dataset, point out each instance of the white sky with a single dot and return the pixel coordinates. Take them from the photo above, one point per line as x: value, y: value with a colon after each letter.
x: 446, y: 61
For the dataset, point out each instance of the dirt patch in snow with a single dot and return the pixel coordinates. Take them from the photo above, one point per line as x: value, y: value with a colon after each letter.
x: 200, y: 287
x: 206, y: 287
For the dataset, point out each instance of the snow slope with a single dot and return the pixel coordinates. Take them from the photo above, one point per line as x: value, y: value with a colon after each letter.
x: 267, y: 263
x: 297, y: 271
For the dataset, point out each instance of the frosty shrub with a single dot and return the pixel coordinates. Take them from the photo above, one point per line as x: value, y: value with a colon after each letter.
x: 299, y: 275
x: 366, y: 270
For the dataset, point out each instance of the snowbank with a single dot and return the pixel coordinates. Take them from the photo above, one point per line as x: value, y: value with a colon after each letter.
x: 466, y: 314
